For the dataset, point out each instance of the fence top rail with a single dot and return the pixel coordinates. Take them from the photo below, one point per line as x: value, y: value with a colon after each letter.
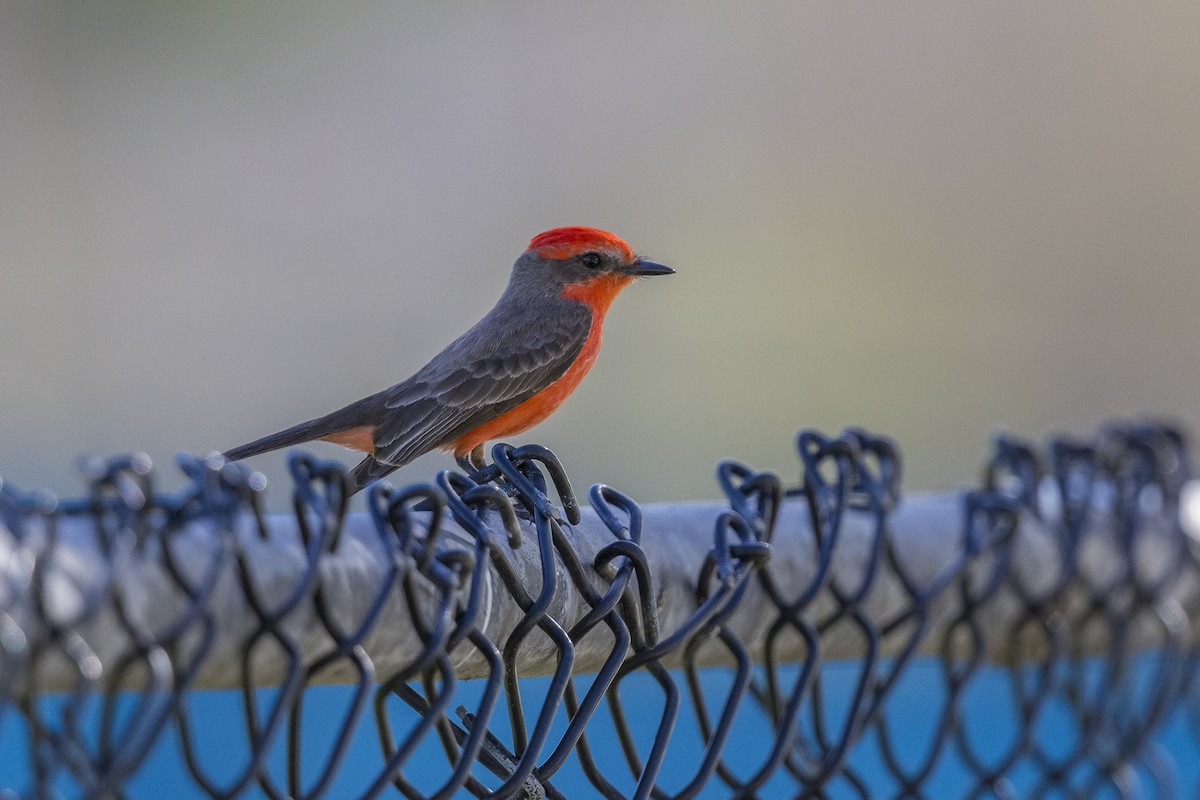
x: 206, y: 568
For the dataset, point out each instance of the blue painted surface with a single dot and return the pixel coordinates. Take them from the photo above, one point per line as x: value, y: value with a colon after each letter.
x: 914, y: 710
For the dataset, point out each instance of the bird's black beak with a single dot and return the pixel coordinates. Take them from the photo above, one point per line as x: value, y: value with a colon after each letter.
x: 646, y: 267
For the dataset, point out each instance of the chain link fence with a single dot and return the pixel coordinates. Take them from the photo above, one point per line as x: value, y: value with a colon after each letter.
x: 491, y: 638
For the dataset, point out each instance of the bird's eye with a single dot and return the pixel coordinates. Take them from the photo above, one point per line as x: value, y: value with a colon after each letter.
x: 590, y: 260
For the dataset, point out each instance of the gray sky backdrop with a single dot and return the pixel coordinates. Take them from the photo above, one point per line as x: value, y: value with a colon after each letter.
x: 930, y: 219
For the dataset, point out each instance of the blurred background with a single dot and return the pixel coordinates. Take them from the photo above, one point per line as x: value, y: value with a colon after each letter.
x: 930, y: 219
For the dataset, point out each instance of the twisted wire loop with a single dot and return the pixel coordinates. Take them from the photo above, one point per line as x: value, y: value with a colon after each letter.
x: 484, y: 623
x: 1117, y: 495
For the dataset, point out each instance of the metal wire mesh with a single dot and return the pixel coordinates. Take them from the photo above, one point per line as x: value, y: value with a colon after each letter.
x: 1110, y: 652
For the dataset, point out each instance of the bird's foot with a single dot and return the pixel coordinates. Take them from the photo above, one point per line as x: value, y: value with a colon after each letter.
x: 473, y: 461
x: 475, y: 465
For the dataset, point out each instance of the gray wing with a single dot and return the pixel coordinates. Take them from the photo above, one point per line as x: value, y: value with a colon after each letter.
x: 479, y: 377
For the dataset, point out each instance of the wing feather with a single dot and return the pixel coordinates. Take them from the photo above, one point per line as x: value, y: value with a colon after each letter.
x: 479, y: 377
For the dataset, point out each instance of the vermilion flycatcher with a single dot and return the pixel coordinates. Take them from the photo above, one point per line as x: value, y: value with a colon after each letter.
x: 508, y: 373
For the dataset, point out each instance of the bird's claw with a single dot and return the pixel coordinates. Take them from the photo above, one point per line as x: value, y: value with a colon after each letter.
x: 473, y: 463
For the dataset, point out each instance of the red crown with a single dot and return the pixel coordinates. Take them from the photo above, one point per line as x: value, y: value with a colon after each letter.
x: 571, y: 241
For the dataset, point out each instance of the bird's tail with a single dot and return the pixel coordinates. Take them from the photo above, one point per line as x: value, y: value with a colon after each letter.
x: 351, y: 416
x: 368, y: 470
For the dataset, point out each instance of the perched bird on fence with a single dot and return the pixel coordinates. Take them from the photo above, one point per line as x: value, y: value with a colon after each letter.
x: 503, y: 376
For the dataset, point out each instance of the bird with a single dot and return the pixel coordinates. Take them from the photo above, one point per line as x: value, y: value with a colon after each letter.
x: 509, y: 372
